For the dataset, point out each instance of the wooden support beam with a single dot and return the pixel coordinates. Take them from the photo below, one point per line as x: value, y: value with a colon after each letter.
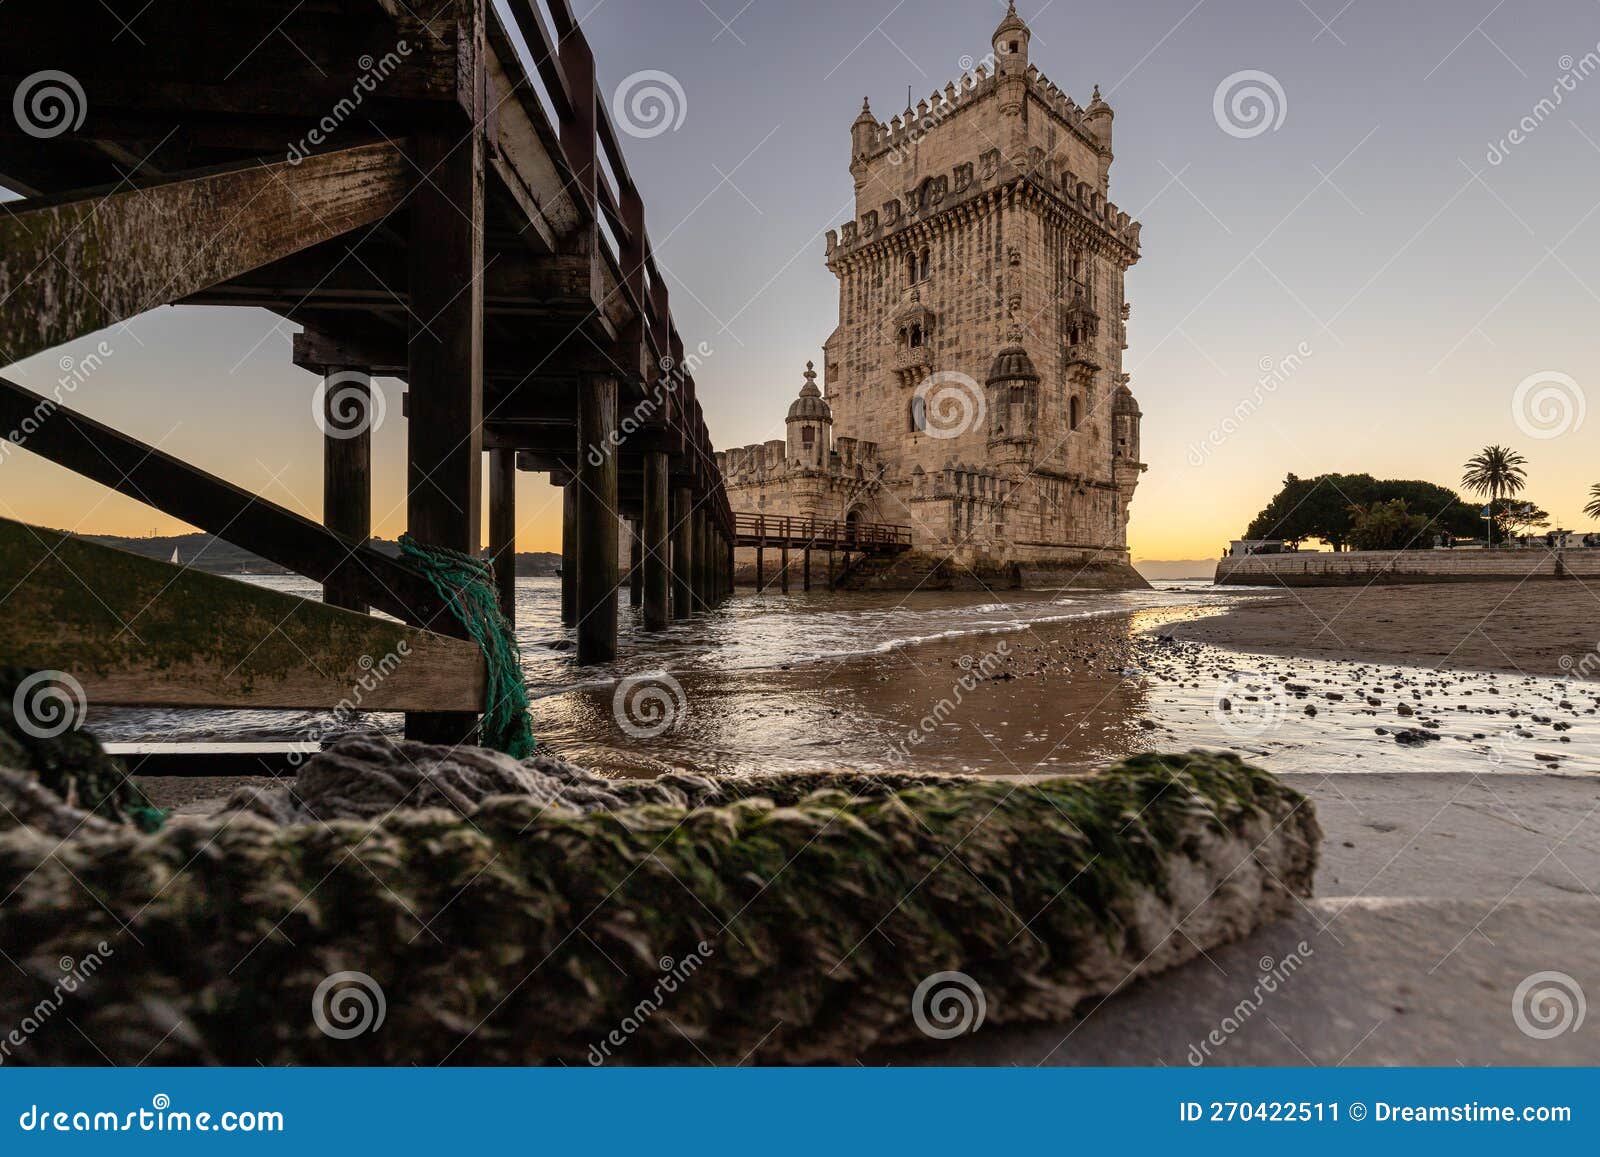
x: 657, y: 546
x: 635, y: 565
x: 444, y: 467
x: 785, y: 556
x: 503, y: 528
x: 139, y: 632
x: 682, y: 552
x: 806, y: 572
x: 445, y: 400
x: 702, y: 556
x: 569, y: 554
x: 190, y: 495
x: 72, y: 265
x: 597, y: 520
x: 347, y: 470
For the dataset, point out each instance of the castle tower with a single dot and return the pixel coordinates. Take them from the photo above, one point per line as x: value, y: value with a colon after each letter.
x: 975, y: 384
x: 810, y: 423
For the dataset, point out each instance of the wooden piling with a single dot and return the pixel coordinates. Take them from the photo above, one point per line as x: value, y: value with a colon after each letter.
x: 503, y: 528
x: 569, y: 554
x: 657, y: 545
x: 697, y: 572
x: 346, y: 471
x: 445, y: 354
x: 682, y: 552
x: 635, y: 564
x: 761, y: 554
x: 597, y: 520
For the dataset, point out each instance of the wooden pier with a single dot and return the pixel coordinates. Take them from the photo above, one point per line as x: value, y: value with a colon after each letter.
x: 430, y: 190
x: 846, y: 537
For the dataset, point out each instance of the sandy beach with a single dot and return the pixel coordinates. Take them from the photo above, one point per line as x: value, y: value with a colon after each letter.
x: 1528, y: 628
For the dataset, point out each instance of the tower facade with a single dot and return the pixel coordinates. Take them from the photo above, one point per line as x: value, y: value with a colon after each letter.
x: 982, y: 321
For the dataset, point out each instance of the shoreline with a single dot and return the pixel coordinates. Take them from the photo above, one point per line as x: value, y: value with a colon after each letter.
x: 1062, y: 696
x: 1543, y: 629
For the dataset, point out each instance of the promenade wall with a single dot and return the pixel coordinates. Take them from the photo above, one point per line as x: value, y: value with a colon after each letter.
x: 1361, y: 568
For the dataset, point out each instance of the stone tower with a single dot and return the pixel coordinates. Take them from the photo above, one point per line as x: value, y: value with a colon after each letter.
x: 977, y: 364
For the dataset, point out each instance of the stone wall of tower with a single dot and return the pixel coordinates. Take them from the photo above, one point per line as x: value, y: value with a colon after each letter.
x: 982, y: 223
x: 1017, y: 237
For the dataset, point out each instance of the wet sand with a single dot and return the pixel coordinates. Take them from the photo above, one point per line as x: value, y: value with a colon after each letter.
x: 1529, y: 628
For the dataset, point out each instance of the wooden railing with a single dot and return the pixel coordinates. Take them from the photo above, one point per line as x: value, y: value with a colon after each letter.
x: 560, y: 69
x: 822, y: 533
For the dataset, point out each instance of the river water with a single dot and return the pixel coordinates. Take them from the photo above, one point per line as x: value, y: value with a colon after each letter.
x: 1014, y: 683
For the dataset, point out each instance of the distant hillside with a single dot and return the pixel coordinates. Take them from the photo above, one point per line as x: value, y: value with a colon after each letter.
x: 209, y: 553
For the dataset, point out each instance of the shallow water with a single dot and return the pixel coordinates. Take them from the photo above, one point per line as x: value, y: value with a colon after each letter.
x: 1017, y: 683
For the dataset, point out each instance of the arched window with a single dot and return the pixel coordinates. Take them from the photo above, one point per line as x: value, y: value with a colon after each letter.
x: 911, y: 267
x: 808, y: 435
x: 1072, y: 412
x: 925, y: 264
x: 917, y: 415
x: 916, y: 336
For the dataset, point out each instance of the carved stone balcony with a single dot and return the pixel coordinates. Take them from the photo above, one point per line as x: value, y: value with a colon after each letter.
x: 912, y: 360
x: 1083, y: 355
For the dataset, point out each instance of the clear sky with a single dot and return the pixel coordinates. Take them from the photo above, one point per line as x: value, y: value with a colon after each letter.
x: 1368, y: 232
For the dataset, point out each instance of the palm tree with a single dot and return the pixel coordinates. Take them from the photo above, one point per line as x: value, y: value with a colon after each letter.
x: 1593, y: 509
x: 1495, y: 471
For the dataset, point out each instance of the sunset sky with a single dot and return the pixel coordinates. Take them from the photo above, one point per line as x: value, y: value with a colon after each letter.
x: 1389, y: 232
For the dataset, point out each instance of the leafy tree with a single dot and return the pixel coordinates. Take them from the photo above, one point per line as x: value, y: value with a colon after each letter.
x: 1593, y: 509
x: 1319, y: 508
x: 1495, y: 471
x: 1307, y: 508
x: 1387, y: 525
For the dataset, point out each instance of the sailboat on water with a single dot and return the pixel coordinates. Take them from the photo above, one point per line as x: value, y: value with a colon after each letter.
x: 175, y: 560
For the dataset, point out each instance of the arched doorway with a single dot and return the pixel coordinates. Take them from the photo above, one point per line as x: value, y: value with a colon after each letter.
x: 852, y: 520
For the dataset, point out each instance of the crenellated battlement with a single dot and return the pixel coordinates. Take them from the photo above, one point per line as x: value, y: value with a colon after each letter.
x: 971, y: 88
x: 850, y: 460
x: 939, y: 193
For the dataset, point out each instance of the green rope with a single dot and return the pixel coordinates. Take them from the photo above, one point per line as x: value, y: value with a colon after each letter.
x: 467, y: 585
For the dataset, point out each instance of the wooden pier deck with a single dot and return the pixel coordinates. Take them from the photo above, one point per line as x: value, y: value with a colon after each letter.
x: 430, y: 190
x: 846, y: 537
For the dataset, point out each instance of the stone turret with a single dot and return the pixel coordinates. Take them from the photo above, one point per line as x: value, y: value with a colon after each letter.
x: 1010, y: 42
x: 863, y: 136
x: 810, y: 423
x: 1098, y: 117
x: 1125, y: 416
x: 1013, y: 389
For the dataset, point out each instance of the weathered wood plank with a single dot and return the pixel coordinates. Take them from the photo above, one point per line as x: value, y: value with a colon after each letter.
x: 128, y: 466
x: 140, y: 632
x: 71, y: 266
x: 444, y: 430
